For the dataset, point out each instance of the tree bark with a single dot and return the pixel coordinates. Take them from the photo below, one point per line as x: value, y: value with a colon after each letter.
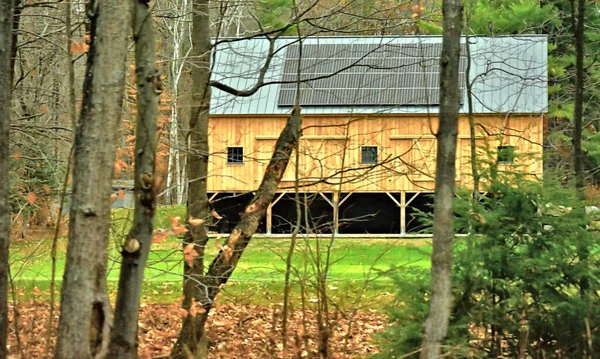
x: 16, y: 20
x: 223, y: 265
x: 85, y: 318
x: 6, y: 39
x: 197, y: 166
x: 137, y: 245
x: 436, y: 325
x: 578, y: 18
x: 197, y: 172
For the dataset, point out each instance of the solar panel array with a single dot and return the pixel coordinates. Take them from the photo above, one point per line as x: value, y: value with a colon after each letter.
x: 364, y: 75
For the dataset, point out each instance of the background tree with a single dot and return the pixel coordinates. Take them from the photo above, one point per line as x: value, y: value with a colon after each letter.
x: 85, y: 317
x: 124, y: 336
x: 578, y: 17
x: 436, y: 326
x: 6, y: 40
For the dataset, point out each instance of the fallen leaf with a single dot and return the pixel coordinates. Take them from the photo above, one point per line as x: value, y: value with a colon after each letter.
x: 121, y: 194
x: 175, y: 221
x: 189, y: 254
x: 31, y: 197
x: 159, y: 235
x: 195, y: 221
x: 113, y: 197
x: 196, y: 308
x: 78, y: 48
x: 179, y: 230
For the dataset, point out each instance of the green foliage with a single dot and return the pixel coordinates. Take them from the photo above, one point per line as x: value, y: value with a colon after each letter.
x: 275, y: 14
x: 525, y: 279
x: 44, y: 178
x: 511, y: 17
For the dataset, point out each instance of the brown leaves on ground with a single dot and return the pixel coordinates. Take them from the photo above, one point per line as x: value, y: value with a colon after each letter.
x: 235, y: 331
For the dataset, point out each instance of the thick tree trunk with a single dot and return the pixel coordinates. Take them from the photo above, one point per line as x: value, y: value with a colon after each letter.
x: 6, y: 39
x: 197, y: 172
x: 85, y: 317
x: 137, y: 245
x: 578, y: 31
x: 222, y: 267
x: 436, y: 326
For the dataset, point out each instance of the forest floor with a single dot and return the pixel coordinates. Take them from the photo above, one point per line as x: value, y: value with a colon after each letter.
x: 235, y: 331
x: 247, y: 321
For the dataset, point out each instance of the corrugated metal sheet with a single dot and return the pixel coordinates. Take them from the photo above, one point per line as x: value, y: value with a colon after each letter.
x: 509, y: 75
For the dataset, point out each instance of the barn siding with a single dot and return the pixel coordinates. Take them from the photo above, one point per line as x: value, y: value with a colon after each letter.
x: 332, y: 142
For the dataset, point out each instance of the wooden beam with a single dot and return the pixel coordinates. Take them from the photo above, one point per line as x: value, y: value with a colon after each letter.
x: 326, y: 199
x: 269, y: 216
x: 213, y: 196
x: 411, y: 198
x: 403, y: 212
x: 393, y: 199
x: 336, y: 212
x: 307, y: 137
x: 277, y: 198
x: 412, y: 137
x: 427, y: 137
x: 345, y: 198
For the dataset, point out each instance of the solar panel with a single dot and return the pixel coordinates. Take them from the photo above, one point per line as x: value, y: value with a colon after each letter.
x: 364, y: 75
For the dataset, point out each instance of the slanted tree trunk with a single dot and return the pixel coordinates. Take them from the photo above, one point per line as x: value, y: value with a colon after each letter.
x: 223, y: 265
x: 137, y: 245
x: 436, y: 326
x: 85, y: 318
x: 197, y: 171
x: 578, y: 17
x: 6, y: 39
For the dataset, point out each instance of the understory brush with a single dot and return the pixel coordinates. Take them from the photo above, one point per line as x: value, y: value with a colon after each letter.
x: 525, y: 278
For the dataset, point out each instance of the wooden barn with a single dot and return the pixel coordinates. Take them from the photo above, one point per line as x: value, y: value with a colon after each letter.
x: 370, y: 105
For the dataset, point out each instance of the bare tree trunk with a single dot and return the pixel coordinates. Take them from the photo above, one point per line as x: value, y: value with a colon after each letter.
x: 137, y: 245
x: 222, y: 267
x: 578, y: 18
x: 16, y: 20
x: 85, y: 317
x: 436, y: 326
x: 6, y: 39
x: 197, y: 171
x: 175, y: 182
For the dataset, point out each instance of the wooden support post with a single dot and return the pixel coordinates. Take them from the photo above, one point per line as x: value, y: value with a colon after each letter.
x: 269, y: 218
x: 336, y: 212
x: 402, y: 212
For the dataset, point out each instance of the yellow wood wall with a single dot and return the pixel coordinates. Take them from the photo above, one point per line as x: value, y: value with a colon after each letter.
x: 330, y: 150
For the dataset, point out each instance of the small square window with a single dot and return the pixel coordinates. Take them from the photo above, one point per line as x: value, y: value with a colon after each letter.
x: 506, y: 154
x: 368, y: 154
x: 235, y: 155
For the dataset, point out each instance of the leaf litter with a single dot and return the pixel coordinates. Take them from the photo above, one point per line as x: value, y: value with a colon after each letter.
x: 235, y: 331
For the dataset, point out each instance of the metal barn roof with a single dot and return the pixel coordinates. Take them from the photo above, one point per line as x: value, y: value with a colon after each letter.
x: 379, y: 75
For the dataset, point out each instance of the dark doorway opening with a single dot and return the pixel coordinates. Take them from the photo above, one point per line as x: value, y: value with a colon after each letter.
x: 374, y: 213
x: 320, y: 213
x: 231, y: 206
x: 419, y: 213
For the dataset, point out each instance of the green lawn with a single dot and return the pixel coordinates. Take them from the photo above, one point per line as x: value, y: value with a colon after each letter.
x: 357, y: 266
